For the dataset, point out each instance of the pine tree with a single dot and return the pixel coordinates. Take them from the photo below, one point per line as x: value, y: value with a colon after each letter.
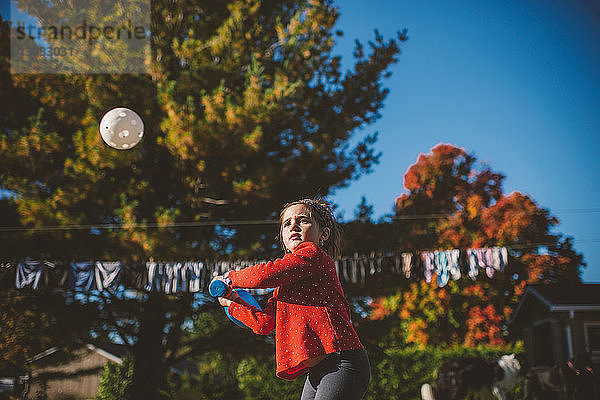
x: 245, y: 107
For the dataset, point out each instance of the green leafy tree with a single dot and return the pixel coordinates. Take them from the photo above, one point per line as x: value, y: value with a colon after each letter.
x: 245, y: 108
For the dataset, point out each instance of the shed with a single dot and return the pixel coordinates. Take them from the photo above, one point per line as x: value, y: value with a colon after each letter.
x: 77, y: 375
x: 558, y: 322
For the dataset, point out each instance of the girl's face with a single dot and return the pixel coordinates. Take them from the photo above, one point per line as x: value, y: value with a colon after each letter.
x: 297, y: 226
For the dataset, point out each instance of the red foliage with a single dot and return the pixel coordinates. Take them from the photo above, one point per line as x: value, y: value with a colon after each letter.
x: 378, y: 309
x: 484, y: 327
x: 463, y: 206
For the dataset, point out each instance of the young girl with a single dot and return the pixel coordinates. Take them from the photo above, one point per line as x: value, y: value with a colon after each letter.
x: 308, y: 310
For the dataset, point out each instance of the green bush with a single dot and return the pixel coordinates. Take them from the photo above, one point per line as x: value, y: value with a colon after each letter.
x: 257, y: 381
x: 116, y: 380
x: 216, y: 380
x: 398, y: 373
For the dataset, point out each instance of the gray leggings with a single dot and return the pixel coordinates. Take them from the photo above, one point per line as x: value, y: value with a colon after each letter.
x: 343, y: 375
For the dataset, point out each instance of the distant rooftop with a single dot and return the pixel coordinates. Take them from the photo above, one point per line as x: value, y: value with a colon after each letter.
x: 115, y: 352
x: 568, y: 295
x: 561, y: 298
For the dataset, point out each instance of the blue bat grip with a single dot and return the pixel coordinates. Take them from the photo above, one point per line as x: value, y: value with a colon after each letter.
x: 218, y: 288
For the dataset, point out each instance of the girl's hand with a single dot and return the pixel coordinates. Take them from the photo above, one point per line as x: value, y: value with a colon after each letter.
x: 223, y: 278
x: 226, y: 301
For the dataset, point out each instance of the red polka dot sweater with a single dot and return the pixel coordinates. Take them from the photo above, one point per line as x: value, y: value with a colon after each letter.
x: 308, y: 309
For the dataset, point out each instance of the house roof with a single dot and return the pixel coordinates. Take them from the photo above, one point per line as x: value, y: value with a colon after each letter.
x: 568, y: 297
x: 115, y: 353
x: 571, y: 298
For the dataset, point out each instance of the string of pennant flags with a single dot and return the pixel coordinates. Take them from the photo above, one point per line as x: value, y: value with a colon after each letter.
x: 195, y: 276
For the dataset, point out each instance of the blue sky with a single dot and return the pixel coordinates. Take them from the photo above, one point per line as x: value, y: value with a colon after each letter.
x: 516, y: 83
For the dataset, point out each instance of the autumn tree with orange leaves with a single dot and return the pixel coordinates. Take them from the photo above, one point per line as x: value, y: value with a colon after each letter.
x: 452, y: 201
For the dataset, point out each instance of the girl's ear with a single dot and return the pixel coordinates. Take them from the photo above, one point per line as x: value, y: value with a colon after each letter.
x: 325, y: 234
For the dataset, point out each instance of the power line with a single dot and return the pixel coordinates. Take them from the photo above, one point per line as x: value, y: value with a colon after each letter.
x: 440, y: 216
x: 547, y: 244
x: 422, y: 216
x: 577, y: 210
x: 192, y: 224
x: 142, y: 225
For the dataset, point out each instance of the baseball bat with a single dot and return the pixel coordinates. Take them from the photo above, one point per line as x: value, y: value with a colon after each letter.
x: 218, y: 288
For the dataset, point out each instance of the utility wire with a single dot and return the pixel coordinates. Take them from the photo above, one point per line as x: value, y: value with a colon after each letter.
x: 151, y: 225
x: 440, y: 216
x: 135, y: 225
x: 547, y: 244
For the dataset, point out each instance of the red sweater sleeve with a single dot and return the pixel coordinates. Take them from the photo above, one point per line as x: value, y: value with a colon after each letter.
x: 261, y: 322
x: 283, y: 271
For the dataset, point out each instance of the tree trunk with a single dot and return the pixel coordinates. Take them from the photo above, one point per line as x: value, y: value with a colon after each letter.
x: 150, y: 372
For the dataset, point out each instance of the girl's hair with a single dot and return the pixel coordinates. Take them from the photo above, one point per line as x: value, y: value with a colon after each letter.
x: 322, y: 212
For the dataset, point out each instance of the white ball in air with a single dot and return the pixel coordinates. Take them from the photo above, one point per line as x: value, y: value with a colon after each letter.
x: 121, y: 128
